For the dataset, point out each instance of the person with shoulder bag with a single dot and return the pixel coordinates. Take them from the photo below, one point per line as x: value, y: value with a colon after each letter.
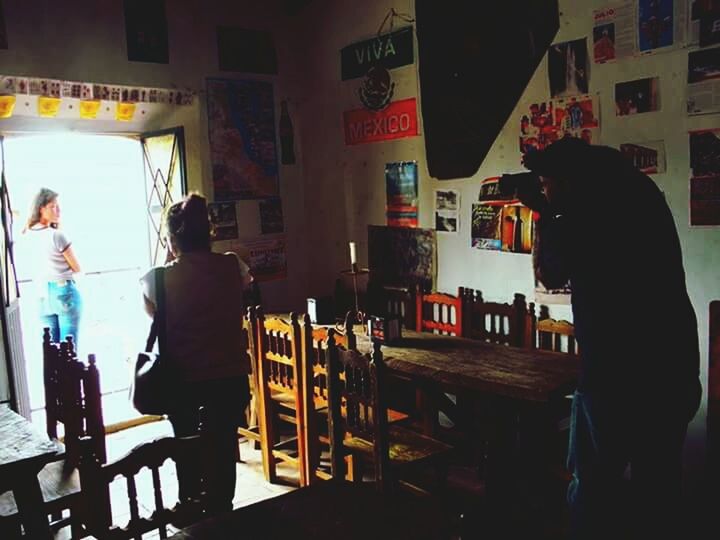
x: 203, y: 351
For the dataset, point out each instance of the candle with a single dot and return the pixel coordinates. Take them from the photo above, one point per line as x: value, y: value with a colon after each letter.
x: 353, y: 254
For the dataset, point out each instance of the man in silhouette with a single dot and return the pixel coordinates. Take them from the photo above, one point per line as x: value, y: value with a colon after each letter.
x: 636, y: 330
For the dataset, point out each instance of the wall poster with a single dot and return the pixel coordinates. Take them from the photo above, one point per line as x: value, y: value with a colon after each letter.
x: 549, y: 121
x: 648, y: 156
x: 703, y: 93
x: 567, y: 68
x: 402, y: 256
x: 224, y: 220
x: 401, y: 182
x: 705, y: 177
x: 639, y: 96
x: 146, y: 31
x: 500, y: 223
x: 271, y: 215
x: 266, y: 258
x: 447, y: 210
x: 241, y: 127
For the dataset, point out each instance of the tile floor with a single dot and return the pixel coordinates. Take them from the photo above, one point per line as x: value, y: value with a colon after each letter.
x: 251, y: 485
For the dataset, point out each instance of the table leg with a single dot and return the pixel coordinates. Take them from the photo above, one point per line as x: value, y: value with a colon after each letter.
x: 29, y: 500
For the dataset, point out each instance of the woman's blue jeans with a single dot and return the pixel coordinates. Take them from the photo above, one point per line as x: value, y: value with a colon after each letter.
x: 61, y: 312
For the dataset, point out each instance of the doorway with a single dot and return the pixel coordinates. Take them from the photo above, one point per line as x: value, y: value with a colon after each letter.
x: 112, y: 190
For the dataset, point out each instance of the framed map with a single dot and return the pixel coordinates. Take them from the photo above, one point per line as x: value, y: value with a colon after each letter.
x: 241, y: 125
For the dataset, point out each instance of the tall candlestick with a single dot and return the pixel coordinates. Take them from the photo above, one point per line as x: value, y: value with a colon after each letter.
x: 353, y: 254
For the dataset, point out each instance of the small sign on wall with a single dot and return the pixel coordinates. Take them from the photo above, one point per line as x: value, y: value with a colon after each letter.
x: 390, y: 50
x: 705, y: 177
x: 397, y: 121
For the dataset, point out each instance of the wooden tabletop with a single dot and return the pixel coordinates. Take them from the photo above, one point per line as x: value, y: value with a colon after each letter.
x: 21, y: 444
x: 328, y: 511
x: 462, y: 364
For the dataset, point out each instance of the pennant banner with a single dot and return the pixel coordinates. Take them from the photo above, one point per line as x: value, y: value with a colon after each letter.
x: 48, y: 107
x: 7, y: 104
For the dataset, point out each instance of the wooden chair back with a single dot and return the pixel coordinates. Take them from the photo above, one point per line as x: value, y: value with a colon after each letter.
x: 554, y: 335
x: 355, y: 384
x: 72, y: 398
x: 280, y: 372
x: 252, y: 431
x: 438, y: 312
x: 95, y: 479
x: 397, y: 302
x: 495, y: 322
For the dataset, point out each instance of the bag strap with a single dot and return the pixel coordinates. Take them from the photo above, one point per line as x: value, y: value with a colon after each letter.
x: 157, y: 329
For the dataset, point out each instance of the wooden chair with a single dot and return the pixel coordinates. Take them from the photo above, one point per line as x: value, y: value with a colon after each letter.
x: 554, y: 335
x: 439, y: 313
x: 282, y: 391
x: 96, y: 478
x: 252, y: 431
x: 506, y: 324
x: 72, y: 398
x: 358, y: 421
x: 390, y: 301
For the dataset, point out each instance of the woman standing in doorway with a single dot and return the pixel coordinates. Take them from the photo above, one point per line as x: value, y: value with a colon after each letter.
x: 56, y: 264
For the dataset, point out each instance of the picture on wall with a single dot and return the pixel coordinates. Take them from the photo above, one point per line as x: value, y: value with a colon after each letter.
x: 146, y: 31
x: 648, y: 156
x: 549, y: 121
x: 3, y: 31
x: 639, y: 96
x: 703, y: 92
x: 267, y: 258
x: 568, y: 68
x: 502, y: 227
x: 447, y: 210
x: 402, y: 256
x: 655, y: 24
x: 614, y: 31
x: 401, y: 182
x: 241, y: 125
x: 705, y: 177
x: 271, y: 215
x: 224, y: 220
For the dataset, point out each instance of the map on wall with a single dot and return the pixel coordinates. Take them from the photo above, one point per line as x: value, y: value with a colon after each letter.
x: 402, y: 256
x: 241, y: 125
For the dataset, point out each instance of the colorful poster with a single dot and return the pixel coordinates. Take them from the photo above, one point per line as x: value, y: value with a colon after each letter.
x: 223, y: 217
x: 639, y: 96
x: 705, y: 177
x: 655, y: 24
x: 568, y: 68
x: 485, y: 231
x: 505, y: 227
x: 241, y: 127
x: 146, y: 31
x: 447, y: 210
x: 549, y: 121
x: 271, y: 216
x: 648, y: 156
x: 401, y: 182
x: 396, y: 121
x: 266, y: 258
x: 614, y: 32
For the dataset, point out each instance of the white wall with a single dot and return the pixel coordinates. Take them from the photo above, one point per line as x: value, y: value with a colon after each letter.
x: 349, y: 180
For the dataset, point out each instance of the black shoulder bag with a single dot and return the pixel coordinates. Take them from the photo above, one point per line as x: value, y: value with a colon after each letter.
x: 155, y: 380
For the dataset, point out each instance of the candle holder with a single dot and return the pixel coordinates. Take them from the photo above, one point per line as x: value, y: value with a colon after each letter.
x: 355, y: 271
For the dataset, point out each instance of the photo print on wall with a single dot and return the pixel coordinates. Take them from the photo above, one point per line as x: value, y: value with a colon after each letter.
x: 568, y: 68
x: 146, y: 31
x: 639, y: 96
x: 447, y: 210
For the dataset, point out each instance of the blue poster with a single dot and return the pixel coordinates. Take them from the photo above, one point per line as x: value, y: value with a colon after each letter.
x: 655, y: 24
x: 401, y: 180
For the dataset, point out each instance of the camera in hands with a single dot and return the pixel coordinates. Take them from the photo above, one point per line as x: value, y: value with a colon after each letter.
x: 514, y: 184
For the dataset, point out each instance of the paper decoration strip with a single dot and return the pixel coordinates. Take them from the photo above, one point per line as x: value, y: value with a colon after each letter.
x: 7, y: 105
x: 48, y: 107
x: 124, y: 111
x: 89, y: 108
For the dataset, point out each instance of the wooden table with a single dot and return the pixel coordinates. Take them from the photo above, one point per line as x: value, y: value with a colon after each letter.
x: 508, y: 394
x: 328, y: 511
x: 23, y: 453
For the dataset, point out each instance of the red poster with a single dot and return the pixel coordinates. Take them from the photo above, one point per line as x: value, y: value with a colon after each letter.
x: 397, y: 121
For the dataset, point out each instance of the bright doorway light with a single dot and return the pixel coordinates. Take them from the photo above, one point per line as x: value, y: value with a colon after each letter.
x: 101, y: 189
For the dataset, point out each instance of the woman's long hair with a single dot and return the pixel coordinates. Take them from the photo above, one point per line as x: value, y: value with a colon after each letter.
x: 43, y: 197
x: 188, y: 224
